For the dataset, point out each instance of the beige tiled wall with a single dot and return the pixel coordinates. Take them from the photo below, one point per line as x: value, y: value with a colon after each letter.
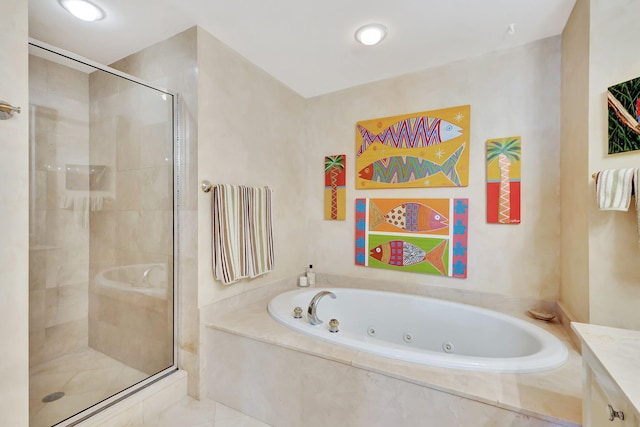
x: 14, y: 221
x: 58, y: 233
x: 511, y: 92
x: 253, y: 132
x: 600, y: 282
x: 574, y: 164
x: 239, y: 126
x: 614, y: 280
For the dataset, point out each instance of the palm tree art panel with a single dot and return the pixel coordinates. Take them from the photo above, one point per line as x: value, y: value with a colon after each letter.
x: 503, y: 180
x: 335, y: 196
x: 426, y: 236
x: 426, y: 149
x: 624, y: 114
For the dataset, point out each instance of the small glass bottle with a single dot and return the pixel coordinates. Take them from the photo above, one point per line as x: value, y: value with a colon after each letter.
x: 311, y: 276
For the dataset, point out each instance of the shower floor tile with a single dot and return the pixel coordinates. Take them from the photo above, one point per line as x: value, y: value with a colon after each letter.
x: 85, y: 377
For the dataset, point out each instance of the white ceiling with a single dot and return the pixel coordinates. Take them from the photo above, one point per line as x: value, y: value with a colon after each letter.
x: 309, y: 46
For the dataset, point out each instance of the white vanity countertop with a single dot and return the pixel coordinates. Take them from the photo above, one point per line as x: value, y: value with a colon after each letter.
x: 618, y: 350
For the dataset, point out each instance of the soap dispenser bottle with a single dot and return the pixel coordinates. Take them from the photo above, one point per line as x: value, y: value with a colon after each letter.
x: 311, y: 276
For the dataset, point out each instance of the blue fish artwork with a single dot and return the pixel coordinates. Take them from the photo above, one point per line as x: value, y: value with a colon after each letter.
x: 401, y: 169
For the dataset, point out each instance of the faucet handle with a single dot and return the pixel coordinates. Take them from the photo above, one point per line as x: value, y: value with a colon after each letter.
x: 297, y: 313
x: 333, y: 325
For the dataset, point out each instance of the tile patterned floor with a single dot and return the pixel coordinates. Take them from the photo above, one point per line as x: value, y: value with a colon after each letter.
x: 86, y: 377
x: 205, y: 413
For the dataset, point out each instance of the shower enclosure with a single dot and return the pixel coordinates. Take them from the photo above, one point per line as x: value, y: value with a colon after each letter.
x: 102, y: 233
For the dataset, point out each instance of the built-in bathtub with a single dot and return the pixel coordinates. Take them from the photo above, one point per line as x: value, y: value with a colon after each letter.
x: 423, y: 330
x: 147, y: 279
x: 133, y: 304
x: 255, y: 364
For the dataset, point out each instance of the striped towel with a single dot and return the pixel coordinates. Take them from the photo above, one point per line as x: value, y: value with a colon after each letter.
x: 242, y: 232
x: 614, y: 188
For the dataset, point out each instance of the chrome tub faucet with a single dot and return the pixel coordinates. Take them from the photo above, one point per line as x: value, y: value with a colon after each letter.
x: 147, y: 272
x: 313, y: 306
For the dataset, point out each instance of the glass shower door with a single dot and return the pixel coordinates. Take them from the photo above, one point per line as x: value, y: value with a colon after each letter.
x: 101, y: 235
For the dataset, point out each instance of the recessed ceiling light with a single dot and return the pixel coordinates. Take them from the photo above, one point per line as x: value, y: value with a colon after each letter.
x: 83, y: 9
x: 371, y: 34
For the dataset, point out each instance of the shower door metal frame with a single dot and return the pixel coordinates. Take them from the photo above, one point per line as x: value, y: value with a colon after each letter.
x: 178, y: 158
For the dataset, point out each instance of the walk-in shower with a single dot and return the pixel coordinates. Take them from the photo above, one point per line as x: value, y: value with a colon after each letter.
x: 102, y: 235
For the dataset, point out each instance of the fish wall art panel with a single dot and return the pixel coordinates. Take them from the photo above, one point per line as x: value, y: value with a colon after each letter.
x: 426, y: 236
x: 335, y: 193
x: 623, y: 101
x: 503, y: 180
x: 427, y: 149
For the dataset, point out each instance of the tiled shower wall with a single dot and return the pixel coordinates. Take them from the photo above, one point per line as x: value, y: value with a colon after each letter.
x: 58, y: 232
x: 131, y: 135
x: 14, y: 208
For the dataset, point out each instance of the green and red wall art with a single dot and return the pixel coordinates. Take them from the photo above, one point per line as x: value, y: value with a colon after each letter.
x: 426, y: 236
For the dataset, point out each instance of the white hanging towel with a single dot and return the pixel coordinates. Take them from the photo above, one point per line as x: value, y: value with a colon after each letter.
x: 242, y: 232
x: 81, y: 206
x: 614, y: 188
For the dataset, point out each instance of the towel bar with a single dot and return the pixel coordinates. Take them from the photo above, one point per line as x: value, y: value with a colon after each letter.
x: 7, y: 110
x: 206, y: 186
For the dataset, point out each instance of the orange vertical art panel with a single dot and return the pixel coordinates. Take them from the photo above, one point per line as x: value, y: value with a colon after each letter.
x: 503, y: 180
x: 427, y: 149
x: 335, y: 193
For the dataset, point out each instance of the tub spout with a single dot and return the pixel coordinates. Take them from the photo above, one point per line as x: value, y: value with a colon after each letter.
x: 145, y: 275
x: 313, y: 306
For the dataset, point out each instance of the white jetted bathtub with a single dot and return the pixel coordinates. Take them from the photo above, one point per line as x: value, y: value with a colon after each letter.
x: 423, y: 330
x: 147, y: 279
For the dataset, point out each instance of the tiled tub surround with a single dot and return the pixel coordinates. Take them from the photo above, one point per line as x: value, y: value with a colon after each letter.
x: 265, y: 370
x: 132, y: 327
